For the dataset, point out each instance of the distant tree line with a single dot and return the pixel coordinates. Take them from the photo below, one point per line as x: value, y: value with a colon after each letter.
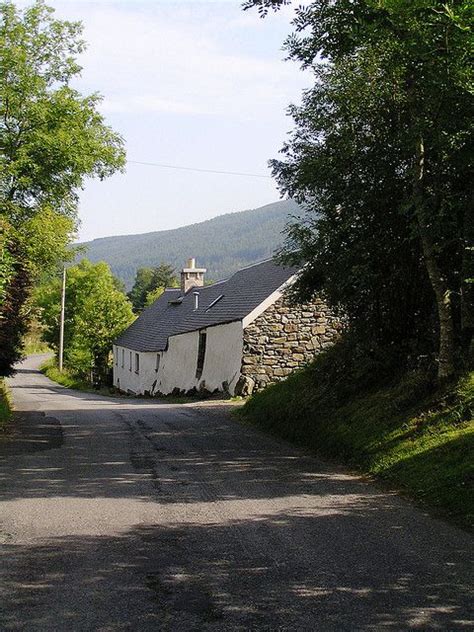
x: 150, y: 283
x: 223, y: 245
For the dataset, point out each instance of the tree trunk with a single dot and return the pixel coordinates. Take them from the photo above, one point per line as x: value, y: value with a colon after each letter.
x: 438, y: 281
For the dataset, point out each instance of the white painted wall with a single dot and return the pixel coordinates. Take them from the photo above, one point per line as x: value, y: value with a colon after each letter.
x: 128, y: 380
x: 178, y: 364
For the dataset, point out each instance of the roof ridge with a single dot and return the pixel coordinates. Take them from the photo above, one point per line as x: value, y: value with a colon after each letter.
x: 253, y: 265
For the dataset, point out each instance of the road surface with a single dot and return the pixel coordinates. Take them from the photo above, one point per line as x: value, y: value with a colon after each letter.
x: 127, y: 514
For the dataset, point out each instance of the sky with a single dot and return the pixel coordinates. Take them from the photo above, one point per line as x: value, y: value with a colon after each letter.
x: 193, y: 84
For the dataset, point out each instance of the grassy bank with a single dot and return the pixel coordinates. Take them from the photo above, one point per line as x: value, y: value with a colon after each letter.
x: 33, y: 342
x: 69, y: 380
x: 416, y: 438
x: 5, y: 405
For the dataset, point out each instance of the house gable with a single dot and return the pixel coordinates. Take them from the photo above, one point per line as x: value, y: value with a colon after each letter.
x: 282, y: 339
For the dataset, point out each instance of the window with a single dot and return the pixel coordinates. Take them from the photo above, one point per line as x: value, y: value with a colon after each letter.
x: 137, y: 363
x: 157, y: 365
x: 123, y: 358
x: 116, y: 356
x: 130, y: 362
x: 201, y: 353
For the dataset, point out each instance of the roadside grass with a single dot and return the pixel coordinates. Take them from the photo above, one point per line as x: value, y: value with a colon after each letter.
x: 67, y: 379
x: 5, y: 405
x: 415, y: 438
x: 33, y: 342
x: 36, y: 347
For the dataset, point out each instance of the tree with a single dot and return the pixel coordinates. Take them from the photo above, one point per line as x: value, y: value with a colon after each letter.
x: 96, y: 313
x: 153, y: 295
x: 380, y: 155
x: 14, y: 286
x: 51, y: 138
x: 150, y: 283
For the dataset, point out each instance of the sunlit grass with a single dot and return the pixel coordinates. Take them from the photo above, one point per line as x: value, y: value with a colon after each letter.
x: 419, y: 439
x: 69, y: 380
x: 5, y: 405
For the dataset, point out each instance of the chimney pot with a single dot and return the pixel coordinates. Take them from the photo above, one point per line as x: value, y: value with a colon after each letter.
x: 191, y: 276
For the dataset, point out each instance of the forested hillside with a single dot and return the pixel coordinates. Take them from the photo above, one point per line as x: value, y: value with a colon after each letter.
x: 222, y: 244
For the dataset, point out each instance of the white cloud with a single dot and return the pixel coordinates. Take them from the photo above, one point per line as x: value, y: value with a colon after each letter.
x: 156, y: 62
x: 186, y: 83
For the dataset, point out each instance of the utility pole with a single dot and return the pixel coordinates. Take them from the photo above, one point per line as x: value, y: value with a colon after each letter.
x: 61, y: 323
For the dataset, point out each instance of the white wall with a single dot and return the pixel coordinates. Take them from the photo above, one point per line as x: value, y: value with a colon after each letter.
x: 131, y: 381
x: 178, y: 364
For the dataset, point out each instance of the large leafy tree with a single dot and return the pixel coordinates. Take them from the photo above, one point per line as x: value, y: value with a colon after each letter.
x: 150, y: 283
x: 381, y: 156
x: 51, y: 139
x: 96, y: 313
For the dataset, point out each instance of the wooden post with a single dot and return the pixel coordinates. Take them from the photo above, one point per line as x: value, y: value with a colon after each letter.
x: 61, y: 323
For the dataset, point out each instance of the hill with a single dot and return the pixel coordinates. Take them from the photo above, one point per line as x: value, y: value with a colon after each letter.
x: 222, y: 244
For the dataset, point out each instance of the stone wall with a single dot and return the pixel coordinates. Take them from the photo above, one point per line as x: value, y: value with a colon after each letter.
x: 283, y: 339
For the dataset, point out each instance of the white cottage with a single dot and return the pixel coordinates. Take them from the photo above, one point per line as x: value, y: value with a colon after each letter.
x: 208, y: 337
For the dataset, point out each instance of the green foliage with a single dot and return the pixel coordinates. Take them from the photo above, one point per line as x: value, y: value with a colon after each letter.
x: 5, y: 405
x: 51, y: 139
x: 65, y: 377
x: 150, y: 283
x: 400, y: 430
x: 153, y: 295
x: 7, y: 261
x: 223, y: 245
x: 47, y: 236
x: 381, y: 155
x: 96, y: 313
x: 69, y: 379
x: 14, y: 289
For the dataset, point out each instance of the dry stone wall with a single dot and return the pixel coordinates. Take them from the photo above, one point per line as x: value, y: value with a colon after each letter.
x: 282, y: 339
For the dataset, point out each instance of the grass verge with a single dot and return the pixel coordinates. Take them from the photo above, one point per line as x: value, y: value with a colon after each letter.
x: 417, y: 439
x: 5, y: 405
x: 67, y: 379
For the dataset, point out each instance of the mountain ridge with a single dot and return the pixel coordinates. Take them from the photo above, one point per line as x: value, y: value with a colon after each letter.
x: 222, y: 244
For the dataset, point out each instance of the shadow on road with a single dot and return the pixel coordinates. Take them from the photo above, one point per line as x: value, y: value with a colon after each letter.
x: 195, y: 577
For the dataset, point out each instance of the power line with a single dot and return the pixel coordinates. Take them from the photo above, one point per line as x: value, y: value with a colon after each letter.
x: 227, y: 173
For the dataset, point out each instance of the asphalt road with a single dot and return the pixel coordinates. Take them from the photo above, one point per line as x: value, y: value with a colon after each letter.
x: 123, y: 514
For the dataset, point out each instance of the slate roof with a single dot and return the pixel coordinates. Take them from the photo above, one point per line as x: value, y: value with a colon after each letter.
x: 222, y: 302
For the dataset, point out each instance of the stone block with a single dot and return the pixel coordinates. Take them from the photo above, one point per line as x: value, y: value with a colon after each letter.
x: 245, y: 386
x: 249, y: 359
x: 249, y: 369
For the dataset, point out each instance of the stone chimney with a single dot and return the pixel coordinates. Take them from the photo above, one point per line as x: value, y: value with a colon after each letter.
x: 191, y: 276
